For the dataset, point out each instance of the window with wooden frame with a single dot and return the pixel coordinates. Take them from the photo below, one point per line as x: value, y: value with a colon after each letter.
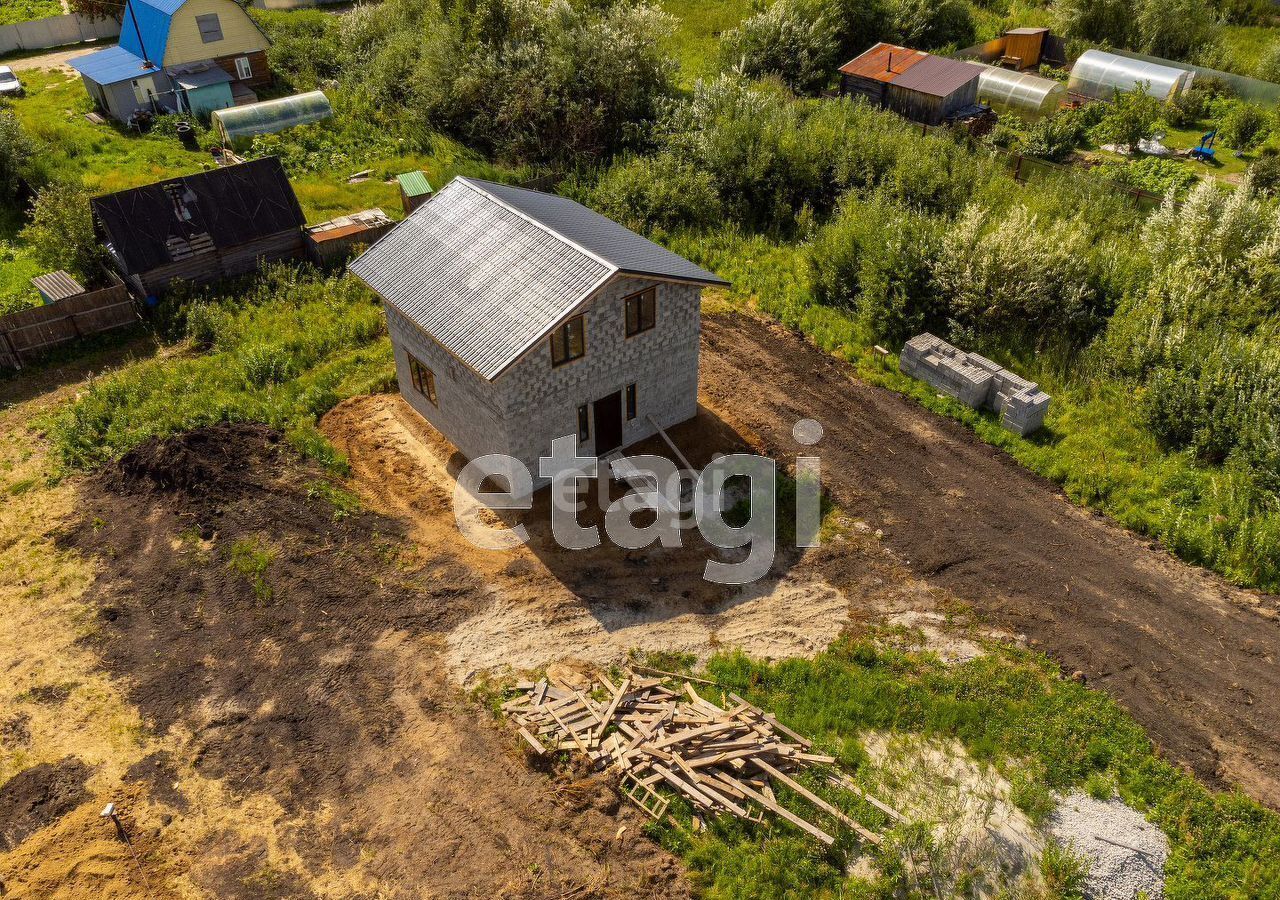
x: 631, y: 402
x: 584, y: 424
x: 210, y: 28
x: 641, y: 311
x: 424, y: 380
x: 568, y: 342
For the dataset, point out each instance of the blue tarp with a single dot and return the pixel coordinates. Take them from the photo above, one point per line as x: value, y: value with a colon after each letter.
x: 111, y: 66
x: 153, y: 18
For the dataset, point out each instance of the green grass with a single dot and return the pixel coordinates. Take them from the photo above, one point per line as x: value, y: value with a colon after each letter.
x: 1010, y: 709
x: 283, y: 349
x: 13, y: 12
x: 1245, y: 44
x: 696, y: 42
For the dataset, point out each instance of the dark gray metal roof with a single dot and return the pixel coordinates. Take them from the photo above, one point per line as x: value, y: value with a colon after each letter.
x: 202, y: 77
x: 937, y: 76
x: 621, y: 247
x: 488, y: 271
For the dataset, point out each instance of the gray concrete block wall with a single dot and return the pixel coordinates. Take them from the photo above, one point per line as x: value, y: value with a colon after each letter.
x: 976, y: 381
x: 532, y: 403
x: 542, y: 402
x: 468, y: 414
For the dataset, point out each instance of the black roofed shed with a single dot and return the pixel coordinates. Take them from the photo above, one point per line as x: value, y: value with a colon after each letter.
x: 202, y: 227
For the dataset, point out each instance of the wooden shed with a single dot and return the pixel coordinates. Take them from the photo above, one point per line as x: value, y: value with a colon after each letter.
x: 337, y: 239
x: 201, y: 227
x: 415, y: 190
x: 1023, y: 47
x: 914, y: 84
x: 934, y: 89
x: 869, y: 74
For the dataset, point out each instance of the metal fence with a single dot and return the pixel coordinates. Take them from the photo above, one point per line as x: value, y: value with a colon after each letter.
x: 57, y: 31
x: 26, y: 334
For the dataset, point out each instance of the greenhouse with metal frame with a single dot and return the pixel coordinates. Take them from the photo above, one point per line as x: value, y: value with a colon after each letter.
x: 1100, y: 74
x: 1019, y: 93
x: 239, y: 125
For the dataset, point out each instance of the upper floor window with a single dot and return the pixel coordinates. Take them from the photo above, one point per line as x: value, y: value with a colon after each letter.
x: 568, y: 342
x: 424, y: 380
x: 641, y: 311
x: 210, y: 28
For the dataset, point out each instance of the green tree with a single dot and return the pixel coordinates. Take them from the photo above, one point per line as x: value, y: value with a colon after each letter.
x: 98, y: 9
x: 1101, y: 21
x: 18, y: 153
x: 1176, y: 29
x: 61, y: 231
x: 1130, y: 118
x: 930, y: 24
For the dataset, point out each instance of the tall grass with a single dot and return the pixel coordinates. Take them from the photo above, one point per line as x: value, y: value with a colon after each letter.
x: 1009, y: 708
x: 282, y: 352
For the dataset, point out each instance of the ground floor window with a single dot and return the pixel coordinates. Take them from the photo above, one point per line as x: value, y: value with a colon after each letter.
x: 424, y: 380
x: 584, y: 424
x: 243, y: 68
x: 631, y: 402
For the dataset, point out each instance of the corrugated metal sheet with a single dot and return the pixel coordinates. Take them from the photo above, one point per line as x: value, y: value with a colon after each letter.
x: 883, y: 62
x: 482, y: 280
x: 414, y: 184
x: 937, y: 76
x: 57, y: 286
x: 488, y: 270
x: 621, y: 247
x: 1027, y: 31
x: 195, y: 78
x: 111, y: 66
x: 153, y: 19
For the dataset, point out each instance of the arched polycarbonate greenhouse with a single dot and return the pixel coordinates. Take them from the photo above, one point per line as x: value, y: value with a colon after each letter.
x: 1100, y: 74
x: 1019, y: 93
x: 240, y: 124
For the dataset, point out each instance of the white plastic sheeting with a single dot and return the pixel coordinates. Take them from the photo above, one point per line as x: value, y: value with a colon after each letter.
x: 238, y: 125
x: 1100, y: 74
x: 1019, y: 92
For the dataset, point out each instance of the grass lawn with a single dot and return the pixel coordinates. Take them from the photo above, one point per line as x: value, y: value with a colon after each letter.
x: 695, y: 43
x: 14, y: 11
x: 1245, y: 44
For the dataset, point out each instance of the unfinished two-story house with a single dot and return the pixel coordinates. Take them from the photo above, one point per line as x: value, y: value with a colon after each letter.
x: 518, y: 317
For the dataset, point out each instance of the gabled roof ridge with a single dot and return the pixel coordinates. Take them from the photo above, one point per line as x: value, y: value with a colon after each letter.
x: 475, y: 184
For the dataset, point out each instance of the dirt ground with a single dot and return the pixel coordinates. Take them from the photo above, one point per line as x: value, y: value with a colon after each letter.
x: 1194, y: 659
x: 288, y: 655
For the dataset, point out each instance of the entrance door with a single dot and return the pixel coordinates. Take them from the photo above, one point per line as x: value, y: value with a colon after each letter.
x: 608, y: 416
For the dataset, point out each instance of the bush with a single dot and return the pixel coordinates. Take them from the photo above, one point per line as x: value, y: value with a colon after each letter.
x: 933, y: 24
x: 795, y: 40
x: 1097, y: 21
x: 18, y: 155
x: 61, y: 234
x: 1129, y: 118
x: 1150, y: 173
x: 1057, y: 136
x: 874, y: 259
x: 1264, y: 174
x: 1175, y: 29
x: 1244, y: 126
x: 1010, y: 275
x: 1268, y: 67
x: 657, y: 192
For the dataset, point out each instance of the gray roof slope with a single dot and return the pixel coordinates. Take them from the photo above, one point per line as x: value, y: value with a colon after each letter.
x: 488, y: 279
x: 598, y: 234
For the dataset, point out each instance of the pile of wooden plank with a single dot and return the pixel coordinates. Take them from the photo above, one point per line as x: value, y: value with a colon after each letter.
x: 722, y: 758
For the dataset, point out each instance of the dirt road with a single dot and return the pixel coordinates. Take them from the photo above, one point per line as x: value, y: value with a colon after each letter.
x: 1191, y: 657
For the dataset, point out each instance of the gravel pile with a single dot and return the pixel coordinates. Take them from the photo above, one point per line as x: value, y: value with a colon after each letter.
x: 1097, y: 829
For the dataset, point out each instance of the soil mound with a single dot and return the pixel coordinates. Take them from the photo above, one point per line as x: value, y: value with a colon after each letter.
x: 39, y: 796
x: 206, y: 460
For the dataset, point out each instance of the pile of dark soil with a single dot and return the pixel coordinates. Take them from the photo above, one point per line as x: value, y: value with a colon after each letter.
x: 39, y: 796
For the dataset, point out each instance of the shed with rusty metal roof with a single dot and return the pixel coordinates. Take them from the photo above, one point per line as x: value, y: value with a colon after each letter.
x: 914, y: 84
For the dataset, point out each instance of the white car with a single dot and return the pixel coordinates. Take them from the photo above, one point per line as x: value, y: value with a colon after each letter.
x: 10, y: 86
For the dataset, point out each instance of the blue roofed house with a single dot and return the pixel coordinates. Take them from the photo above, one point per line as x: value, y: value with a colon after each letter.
x: 184, y: 56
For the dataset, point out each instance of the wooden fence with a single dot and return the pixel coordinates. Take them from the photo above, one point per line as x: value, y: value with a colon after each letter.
x: 26, y: 334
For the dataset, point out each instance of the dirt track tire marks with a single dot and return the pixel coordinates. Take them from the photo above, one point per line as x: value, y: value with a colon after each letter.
x: 1191, y: 657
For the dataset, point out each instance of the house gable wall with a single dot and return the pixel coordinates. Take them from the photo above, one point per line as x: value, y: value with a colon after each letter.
x: 240, y: 35
x: 541, y: 403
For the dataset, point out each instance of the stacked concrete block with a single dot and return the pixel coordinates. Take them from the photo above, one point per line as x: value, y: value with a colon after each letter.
x: 976, y: 382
